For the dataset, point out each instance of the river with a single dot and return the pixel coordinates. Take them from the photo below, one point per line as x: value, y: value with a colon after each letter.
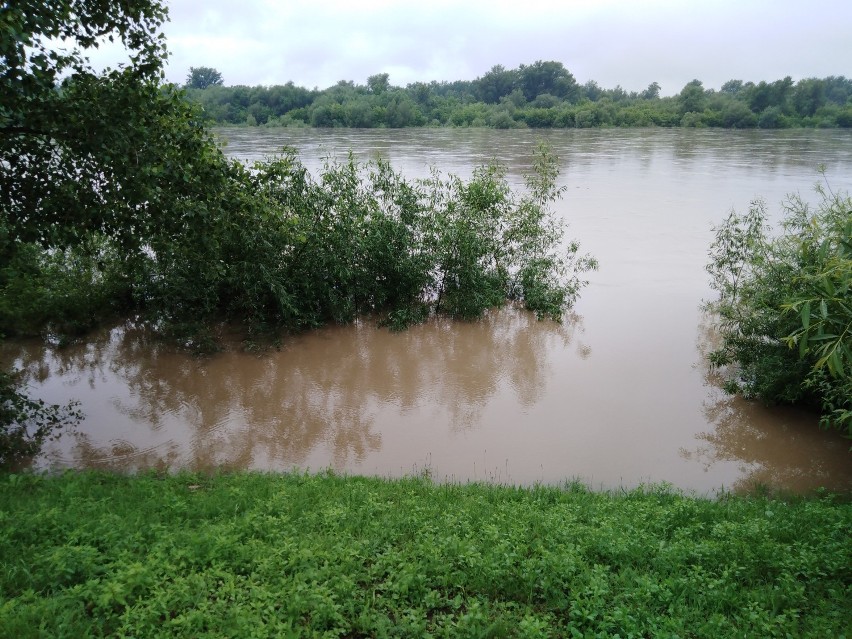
x: 616, y: 396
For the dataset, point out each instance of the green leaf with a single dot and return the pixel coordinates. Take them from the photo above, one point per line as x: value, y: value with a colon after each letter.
x: 835, y: 364
x: 806, y: 315
x: 803, y: 344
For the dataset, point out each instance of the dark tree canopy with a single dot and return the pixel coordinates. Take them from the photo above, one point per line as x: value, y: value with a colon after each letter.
x: 82, y: 152
x: 379, y: 83
x: 692, y: 97
x: 30, y: 67
x: 203, y: 77
x: 652, y: 92
x: 496, y: 84
x: 546, y: 77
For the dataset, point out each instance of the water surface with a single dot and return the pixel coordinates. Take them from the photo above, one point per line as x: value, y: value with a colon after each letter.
x: 617, y: 395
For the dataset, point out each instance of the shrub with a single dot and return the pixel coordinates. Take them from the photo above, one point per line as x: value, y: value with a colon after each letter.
x: 784, y: 313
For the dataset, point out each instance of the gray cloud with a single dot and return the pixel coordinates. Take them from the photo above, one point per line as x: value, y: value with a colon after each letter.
x: 612, y: 42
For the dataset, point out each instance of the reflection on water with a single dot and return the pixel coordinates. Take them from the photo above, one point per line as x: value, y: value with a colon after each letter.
x: 501, y: 399
x: 775, y: 447
x: 616, y: 398
x: 328, y: 395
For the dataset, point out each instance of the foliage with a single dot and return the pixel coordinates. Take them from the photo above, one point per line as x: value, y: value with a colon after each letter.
x: 496, y: 84
x: 80, y: 155
x: 550, y: 78
x: 488, y: 246
x: 310, y: 556
x: 31, y: 65
x: 692, y: 97
x: 540, y: 95
x: 784, y: 313
x: 271, y: 247
x: 296, y: 252
x: 61, y: 293
x: 39, y: 125
x: 97, y: 154
x: 202, y: 78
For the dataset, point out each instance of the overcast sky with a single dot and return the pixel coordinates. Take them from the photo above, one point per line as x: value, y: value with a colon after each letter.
x: 614, y: 42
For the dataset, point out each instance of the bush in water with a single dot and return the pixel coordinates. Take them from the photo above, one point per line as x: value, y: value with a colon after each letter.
x: 783, y: 306
x: 298, y: 252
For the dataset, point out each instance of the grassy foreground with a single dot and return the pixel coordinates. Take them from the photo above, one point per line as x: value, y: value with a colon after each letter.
x: 255, y: 555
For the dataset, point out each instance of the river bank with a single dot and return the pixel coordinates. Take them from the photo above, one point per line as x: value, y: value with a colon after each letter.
x: 95, y: 554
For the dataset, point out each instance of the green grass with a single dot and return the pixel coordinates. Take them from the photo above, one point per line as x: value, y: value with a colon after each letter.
x: 254, y: 555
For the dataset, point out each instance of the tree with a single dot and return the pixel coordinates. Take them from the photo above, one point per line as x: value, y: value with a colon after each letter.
x: 765, y: 95
x: 378, y: 83
x: 96, y: 153
x: 732, y: 87
x: 496, y: 84
x: 35, y: 118
x: 546, y: 77
x: 592, y: 91
x: 808, y: 96
x: 692, y: 97
x: 652, y: 92
x: 203, y: 77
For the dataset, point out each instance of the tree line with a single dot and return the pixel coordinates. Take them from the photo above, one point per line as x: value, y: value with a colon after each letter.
x: 539, y: 95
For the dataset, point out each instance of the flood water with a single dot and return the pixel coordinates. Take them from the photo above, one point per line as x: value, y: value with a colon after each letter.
x: 617, y: 395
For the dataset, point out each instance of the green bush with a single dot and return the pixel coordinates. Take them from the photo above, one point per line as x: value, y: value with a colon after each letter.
x: 784, y: 310
x: 272, y: 247
x: 61, y: 292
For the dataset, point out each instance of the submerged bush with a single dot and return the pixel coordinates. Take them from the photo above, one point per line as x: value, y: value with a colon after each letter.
x: 363, y: 239
x: 273, y: 247
x: 784, y: 308
x: 60, y: 292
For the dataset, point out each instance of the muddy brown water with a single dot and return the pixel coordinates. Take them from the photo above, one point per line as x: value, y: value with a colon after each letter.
x: 617, y: 395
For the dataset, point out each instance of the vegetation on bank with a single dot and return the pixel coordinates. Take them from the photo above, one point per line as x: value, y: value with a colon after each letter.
x: 322, y: 556
x: 785, y: 305
x: 543, y: 94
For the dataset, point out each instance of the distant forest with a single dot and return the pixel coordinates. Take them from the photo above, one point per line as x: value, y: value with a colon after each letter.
x: 540, y: 95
